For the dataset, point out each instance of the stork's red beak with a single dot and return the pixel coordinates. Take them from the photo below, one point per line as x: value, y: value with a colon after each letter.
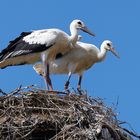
x: 85, y: 29
x: 114, y: 52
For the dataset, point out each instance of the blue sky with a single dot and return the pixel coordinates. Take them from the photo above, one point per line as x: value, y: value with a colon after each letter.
x: 118, y: 21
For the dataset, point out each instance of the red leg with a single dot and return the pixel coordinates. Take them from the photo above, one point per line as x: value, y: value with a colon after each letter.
x: 68, y: 81
x: 79, y: 82
x: 48, y: 79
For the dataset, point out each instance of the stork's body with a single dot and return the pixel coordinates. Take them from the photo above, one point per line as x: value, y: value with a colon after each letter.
x: 78, y: 60
x: 31, y: 47
x: 27, y: 48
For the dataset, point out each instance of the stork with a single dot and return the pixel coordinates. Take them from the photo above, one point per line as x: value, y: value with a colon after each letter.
x: 34, y: 46
x: 79, y: 59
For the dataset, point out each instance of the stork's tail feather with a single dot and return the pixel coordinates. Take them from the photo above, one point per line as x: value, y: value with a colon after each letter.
x: 1, y: 55
x: 11, y: 62
x: 3, y: 65
x: 38, y: 69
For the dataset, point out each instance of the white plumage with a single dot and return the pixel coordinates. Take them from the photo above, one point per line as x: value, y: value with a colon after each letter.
x: 27, y: 48
x: 78, y: 60
x: 30, y: 46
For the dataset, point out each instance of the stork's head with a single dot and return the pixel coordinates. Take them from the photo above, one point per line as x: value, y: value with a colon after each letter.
x: 107, y: 44
x: 79, y: 25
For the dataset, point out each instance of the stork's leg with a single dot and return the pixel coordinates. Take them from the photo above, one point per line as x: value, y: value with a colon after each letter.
x: 46, y: 83
x: 46, y: 72
x: 68, y: 81
x: 79, y: 83
x: 48, y: 80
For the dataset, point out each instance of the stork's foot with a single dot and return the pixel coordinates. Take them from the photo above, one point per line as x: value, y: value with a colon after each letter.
x: 52, y: 92
x: 66, y: 87
x: 66, y: 90
x: 79, y: 90
x: 48, y: 83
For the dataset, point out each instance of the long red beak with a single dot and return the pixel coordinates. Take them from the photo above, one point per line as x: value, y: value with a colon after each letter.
x: 114, y: 52
x: 85, y: 29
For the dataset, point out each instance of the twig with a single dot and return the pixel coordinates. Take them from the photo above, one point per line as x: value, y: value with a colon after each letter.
x: 131, y: 133
x: 112, y: 131
x: 27, y: 134
x: 14, y: 92
x: 1, y: 91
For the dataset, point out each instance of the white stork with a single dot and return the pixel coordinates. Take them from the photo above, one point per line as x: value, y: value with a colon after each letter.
x: 78, y: 60
x: 31, y: 47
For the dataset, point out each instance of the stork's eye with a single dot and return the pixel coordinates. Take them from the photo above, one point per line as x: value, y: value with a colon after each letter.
x: 108, y: 44
x: 79, y: 23
x: 59, y: 55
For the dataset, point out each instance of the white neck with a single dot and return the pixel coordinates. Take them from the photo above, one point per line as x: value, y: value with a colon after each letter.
x: 74, y: 35
x: 102, y: 53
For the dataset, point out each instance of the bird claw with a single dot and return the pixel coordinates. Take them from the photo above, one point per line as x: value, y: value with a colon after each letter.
x: 66, y: 87
x: 79, y: 90
x: 67, y: 91
x: 67, y: 84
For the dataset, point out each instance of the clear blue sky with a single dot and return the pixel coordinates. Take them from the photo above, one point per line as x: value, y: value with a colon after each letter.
x: 118, y: 21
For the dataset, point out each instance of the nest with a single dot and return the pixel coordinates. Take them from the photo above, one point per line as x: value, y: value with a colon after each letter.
x: 35, y: 115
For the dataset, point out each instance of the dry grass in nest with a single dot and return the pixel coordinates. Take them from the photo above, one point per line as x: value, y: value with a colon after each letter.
x: 31, y: 114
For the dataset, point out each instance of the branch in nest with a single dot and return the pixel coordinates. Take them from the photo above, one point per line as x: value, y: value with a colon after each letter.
x: 131, y: 133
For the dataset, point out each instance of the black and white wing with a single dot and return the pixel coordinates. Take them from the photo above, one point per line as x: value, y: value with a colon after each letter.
x: 27, y: 43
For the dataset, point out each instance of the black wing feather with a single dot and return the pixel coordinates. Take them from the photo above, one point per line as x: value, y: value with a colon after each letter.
x: 12, y: 45
x: 19, y: 45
